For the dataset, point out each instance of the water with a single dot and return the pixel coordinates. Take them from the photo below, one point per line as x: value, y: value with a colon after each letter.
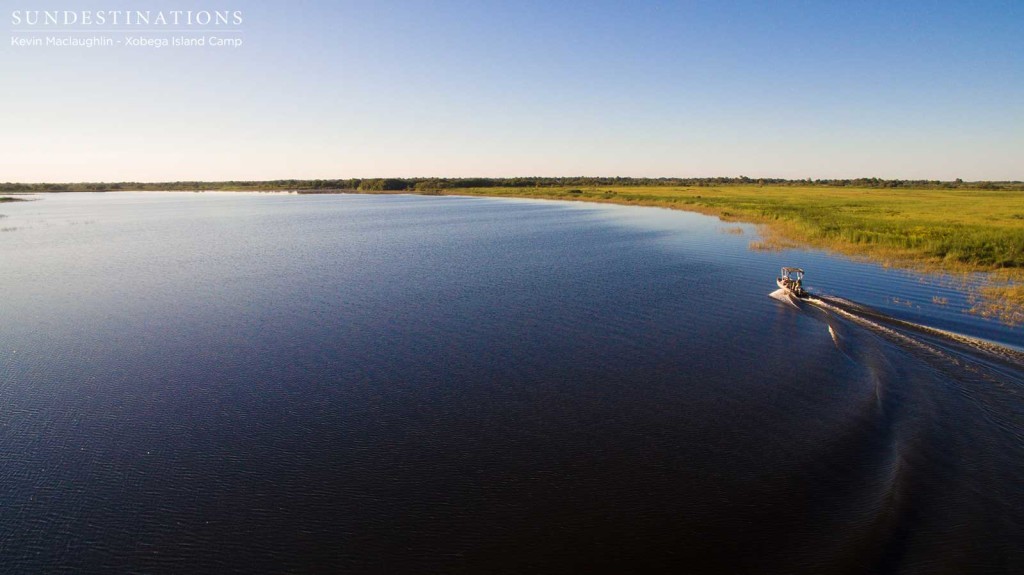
x: 380, y: 384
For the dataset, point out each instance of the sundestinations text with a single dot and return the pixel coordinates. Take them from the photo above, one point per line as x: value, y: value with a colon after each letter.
x: 126, y: 18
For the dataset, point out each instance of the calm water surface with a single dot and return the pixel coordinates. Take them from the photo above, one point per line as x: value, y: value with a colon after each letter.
x: 385, y: 384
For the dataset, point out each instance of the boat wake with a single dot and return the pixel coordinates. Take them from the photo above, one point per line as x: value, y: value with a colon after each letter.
x: 945, y: 414
x: 932, y: 341
x: 906, y: 334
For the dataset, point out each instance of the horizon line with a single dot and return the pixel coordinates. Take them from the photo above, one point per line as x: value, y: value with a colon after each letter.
x: 741, y: 179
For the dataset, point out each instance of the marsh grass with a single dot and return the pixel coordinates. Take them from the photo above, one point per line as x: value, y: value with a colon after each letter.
x: 1000, y: 298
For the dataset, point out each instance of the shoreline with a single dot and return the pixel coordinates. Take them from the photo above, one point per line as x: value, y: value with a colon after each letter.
x: 1002, y: 299
x: 819, y: 217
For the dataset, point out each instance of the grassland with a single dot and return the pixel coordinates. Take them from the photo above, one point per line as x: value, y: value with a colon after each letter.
x: 956, y: 231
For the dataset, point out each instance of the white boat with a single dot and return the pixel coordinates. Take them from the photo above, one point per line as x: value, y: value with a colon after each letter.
x: 791, y: 280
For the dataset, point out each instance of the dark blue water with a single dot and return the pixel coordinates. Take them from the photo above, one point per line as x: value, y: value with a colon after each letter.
x: 280, y: 383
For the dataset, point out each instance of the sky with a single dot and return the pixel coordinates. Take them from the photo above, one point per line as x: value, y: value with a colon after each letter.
x: 328, y: 89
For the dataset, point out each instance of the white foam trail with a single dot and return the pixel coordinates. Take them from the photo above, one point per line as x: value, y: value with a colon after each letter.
x: 892, y: 333
x: 874, y: 319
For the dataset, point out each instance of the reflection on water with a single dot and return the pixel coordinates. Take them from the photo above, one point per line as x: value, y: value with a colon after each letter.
x: 215, y: 382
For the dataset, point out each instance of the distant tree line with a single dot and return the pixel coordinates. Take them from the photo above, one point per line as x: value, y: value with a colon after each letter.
x: 437, y: 184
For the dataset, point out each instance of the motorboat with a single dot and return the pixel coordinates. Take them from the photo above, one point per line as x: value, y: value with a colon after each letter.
x: 791, y: 280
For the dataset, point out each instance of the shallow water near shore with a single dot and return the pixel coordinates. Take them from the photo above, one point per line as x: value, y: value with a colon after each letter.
x: 225, y: 382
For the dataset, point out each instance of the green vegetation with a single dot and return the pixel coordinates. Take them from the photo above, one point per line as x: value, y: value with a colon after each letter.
x: 950, y: 226
x: 10, y: 199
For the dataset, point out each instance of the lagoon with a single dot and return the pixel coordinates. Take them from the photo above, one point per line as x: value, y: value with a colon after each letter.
x: 231, y: 382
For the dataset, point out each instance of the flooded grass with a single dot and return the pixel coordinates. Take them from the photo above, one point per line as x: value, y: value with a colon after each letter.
x: 1000, y: 299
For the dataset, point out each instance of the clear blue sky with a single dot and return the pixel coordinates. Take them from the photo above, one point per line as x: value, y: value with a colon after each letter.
x: 326, y: 89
